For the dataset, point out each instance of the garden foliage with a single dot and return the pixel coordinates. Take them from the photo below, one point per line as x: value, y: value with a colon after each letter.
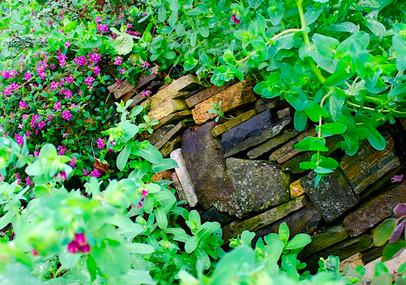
x: 77, y: 202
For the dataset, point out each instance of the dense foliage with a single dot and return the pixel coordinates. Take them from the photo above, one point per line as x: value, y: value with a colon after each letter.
x: 77, y: 203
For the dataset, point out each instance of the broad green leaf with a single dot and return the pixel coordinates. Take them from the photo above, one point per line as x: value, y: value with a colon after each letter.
x: 122, y: 158
x: 383, y: 279
x: 254, y: 3
x: 300, y: 120
x: 304, y: 145
x: 148, y: 152
x: 298, y: 241
x: 391, y: 249
x: 140, y: 248
x: 331, y: 129
x: 165, y: 164
x: 312, y: 15
x: 284, y: 232
x: 123, y: 44
x: 161, y: 218
x: 384, y: 231
x: 314, y: 111
x: 191, y: 244
x: 375, y: 138
x: 325, y: 45
x: 67, y: 259
x: 275, y: 12
x: 376, y: 27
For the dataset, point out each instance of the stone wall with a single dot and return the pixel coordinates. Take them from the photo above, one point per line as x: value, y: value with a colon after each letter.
x: 244, y: 172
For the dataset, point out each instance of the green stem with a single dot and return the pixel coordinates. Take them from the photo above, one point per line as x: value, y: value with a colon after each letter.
x: 307, y: 42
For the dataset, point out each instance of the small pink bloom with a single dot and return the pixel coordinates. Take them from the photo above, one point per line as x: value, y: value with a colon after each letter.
x: 85, y: 248
x: 118, y: 60
x: 73, y: 247
x: 80, y: 239
x: 34, y: 252
x: 145, y: 64
x: 67, y: 44
x: 73, y: 162
x: 397, y: 178
x: 235, y: 20
x: 28, y: 181
x: 146, y: 93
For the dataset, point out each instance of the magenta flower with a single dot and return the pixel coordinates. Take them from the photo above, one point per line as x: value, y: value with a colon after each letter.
x: 144, y: 14
x: 28, y: 76
x: 145, y: 64
x: 146, y: 93
x: 19, y: 139
x: 100, y: 143
x: 80, y: 239
x: 73, y: 247
x: 397, y: 178
x: 67, y: 93
x: 41, y: 124
x: 36, y: 153
x: 66, y: 115
x: 68, y: 44
x: 73, y: 162
x: 34, y: 252
x: 97, y: 19
x: 85, y: 248
x: 57, y: 106
x: 139, y: 205
x: 61, y: 150
x: 94, y: 57
x: 28, y: 181
x: 95, y: 173
x: 89, y: 80
x: 22, y: 105
x: 235, y: 20
x: 118, y: 60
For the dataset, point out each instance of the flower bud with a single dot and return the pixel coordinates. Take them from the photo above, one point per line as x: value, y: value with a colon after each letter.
x: 80, y: 239
x: 85, y: 248
x: 73, y: 247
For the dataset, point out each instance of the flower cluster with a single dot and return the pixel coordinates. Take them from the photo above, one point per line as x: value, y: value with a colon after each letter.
x: 79, y: 244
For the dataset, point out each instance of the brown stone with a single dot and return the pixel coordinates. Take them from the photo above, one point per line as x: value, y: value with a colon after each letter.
x: 206, y: 166
x: 164, y: 175
x: 232, y: 98
x: 178, y: 187
x: 342, y: 250
x: 258, y: 139
x: 272, y: 144
x: 166, y: 108
x: 351, y: 262
x: 332, y: 197
x: 369, y: 165
x: 264, y: 104
x: 375, y: 211
x: 286, y: 152
x: 296, y: 189
x: 159, y: 133
x: 119, y: 90
x: 205, y: 94
x: 173, y: 118
x: 169, y: 135
x: 293, y: 165
x: 261, y: 220
x: 220, y: 129
x: 144, y: 80
x: 324, y: 240
x: 137, y: 99
x: 304, y: 220
x: 188, y: 191
x: 170, y: 146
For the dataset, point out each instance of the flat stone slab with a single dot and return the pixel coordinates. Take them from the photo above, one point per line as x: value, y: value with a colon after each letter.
x: 304, y: 220
x: 272, y: 144
x: 166, y: 108
x: 331, y: 198
x: 207, y: 168
x: 324, y: 240
x: 266, y: 104
x: 258, y: 139
x: 375, y: 211
x: 286, y: 152
x: 258, y: 184
x: 264, y: 219
x: 233, y: 97
x: 170, y: 146
x: 205, y: 94
x: 164, y: 138
x: 173, y: 118
x: 233, y: 122
x: 184, y: 178
x: 369, y: 165
x: 247, y: 129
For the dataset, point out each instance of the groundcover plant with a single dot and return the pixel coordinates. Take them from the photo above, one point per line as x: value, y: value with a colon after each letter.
x: 77, y: 203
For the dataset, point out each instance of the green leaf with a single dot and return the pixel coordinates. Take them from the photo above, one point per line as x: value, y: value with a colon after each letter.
x: 284, y: 232
x: 165, y: 164
x: 161, y: 218
x: 275, y: 12
x: 383, y: 279
x: 122, y: 158
x: 376, y: 27
x: 300, y: 120
x: 140, y: 248
x: 391, y: 249
x: 148, y: 152
x: 191, y: 244
x: 67, y: 259
x: 6, y: 219
x: 254, y: 3
x: 123, y: 44
x: 375, y: 138
x: 299, y: 241
x: 384, y: 231
x: 304, y: 145
x: 312, y: 15
x: 331, y: 129
x: 314, y: 111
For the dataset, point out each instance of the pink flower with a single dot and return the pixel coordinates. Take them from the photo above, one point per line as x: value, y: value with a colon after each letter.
x: 66, y: 115
x: 81, y: 60
x: 397, y: 178
x: 146, y: 93
x: 97, y: 19
x: 144, y: 14
x: 19, y: 139
x: 122, y: 71
x: 145, y: 64
x: 139, y: 205
x: 34, y: 252
x: 80, y: 239
x: 36, y: 153
x: 41, y: 124
x: 100, y: 143
x: 103, y: 28
x: 235, y: 20
x: 96, y: 70
x: 67, y: 44
x: 118, y: 60
x: 67, y: 93
x: 86, y: 172
x: 144, y: 193
x: 28, y: 76
x: 28, y: 181
x: 94, y: 57
x: 61, y: 150
x: 57, y: 106
x: 73, y: 162
x: 120, y: 16
x: 73, y: 247
x: 89, y: 80
x: 62, y: 59
x: 95, y: 173
x: 85, y: 248
x: 22, y: 105
x: 63, y: 175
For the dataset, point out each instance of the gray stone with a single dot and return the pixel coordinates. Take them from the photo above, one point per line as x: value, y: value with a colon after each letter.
x: 187, y: 191
x: 213, y: 215
x: 247, y: 129
x: 304, y: 220
x: 169, y: 135
x: 262, y: 220
x: 258, y: 184
x: 369, y: 165
x: 272, y: 144
x: 206, y: 166
x: 331, y: 198
x: 375, y: 211
x: 323, y: 240
x: 160, y: 132
x: 258, y: 139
